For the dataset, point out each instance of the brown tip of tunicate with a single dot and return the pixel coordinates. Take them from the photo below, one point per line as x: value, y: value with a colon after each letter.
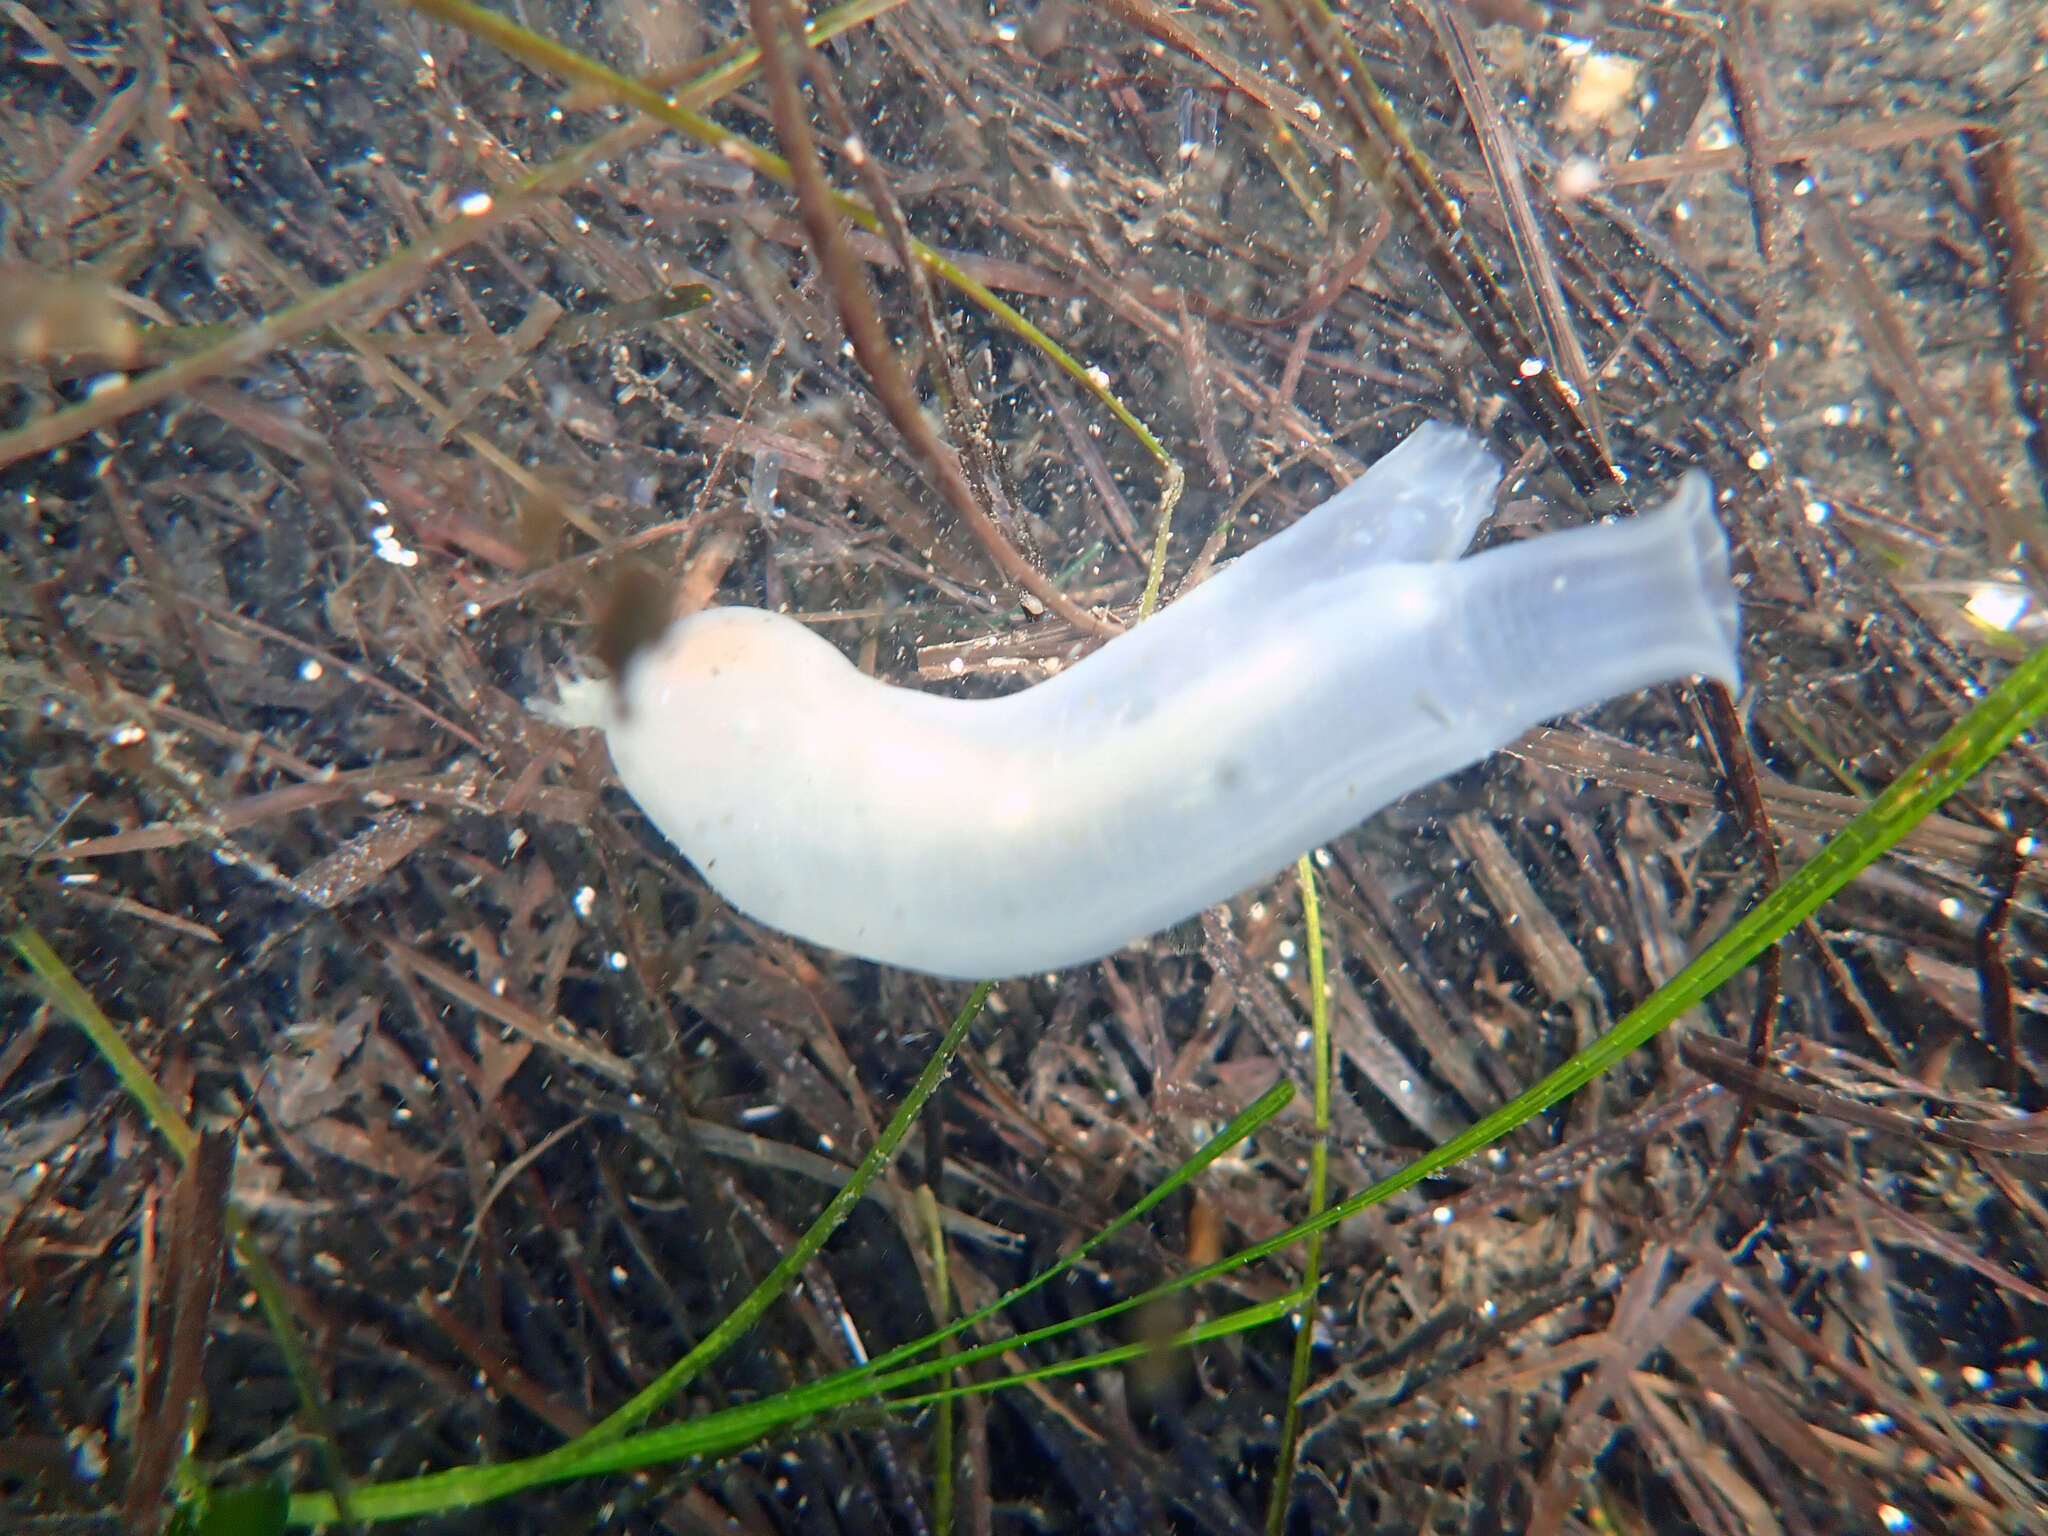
x: 637, y: 606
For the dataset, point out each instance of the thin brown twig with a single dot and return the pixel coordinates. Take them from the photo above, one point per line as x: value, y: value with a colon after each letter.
x: 1398, y: 171
x: 1994, y: 977
x: 2022, y: 292
x: 864, y: 330
x: 1511, y: 184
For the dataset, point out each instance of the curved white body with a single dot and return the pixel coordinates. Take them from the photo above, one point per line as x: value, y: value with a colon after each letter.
x: 1339, y: 665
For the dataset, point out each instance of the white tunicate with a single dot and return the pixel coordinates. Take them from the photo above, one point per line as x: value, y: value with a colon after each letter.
x: 1339, y: 665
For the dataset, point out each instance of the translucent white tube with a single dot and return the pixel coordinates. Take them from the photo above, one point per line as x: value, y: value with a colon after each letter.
x: 1334, y: 668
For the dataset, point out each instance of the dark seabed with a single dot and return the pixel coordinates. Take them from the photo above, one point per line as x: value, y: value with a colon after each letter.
x: 348, y: 366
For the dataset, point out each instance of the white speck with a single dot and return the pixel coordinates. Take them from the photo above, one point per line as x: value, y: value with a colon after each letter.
x: 1280, y: 971
x: 1803, y: 187
x: 1578, y: 177
x: 585, y: 900
x: 389, y: 549
x: 1287, y: 949
x: 515, y: 840
x: 825, y: 1143
x: 617, y: 960
x: 1309, y: 110
x: 1006, y: 31
x: 1098, y: 377
x: 107, y: 383
x: 1487, y: 1309
x: 853, y: 1338
x: 856, y: 152
x: 1442, y: 1215
x: 1062, y: 178
x: 1951, y: 908
x: 88, y: 1454
x: 755, y: 1114
x: 1859, y: 1258
x: 1875, y: 1423
x: 1834, y: 415
x: 957, y: 665
x: 127, y: 735
x: 1997, y: 604
x: 1405, y: 1086
x: 1759, y: 458
x: 1976, y: 1377
x: 2025, y: 846
x: 1303, y: 1038
x: 1895, y: 1519
x: 310, y: 670
x: 1817, y: 512
x: 474, y: 205
x: 1530, y: 367
x: 87, y: 878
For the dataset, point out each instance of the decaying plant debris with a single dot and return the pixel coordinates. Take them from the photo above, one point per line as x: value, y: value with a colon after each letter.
x: 344, y: 364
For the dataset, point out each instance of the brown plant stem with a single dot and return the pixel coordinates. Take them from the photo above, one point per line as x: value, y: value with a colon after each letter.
x: 864, y: 330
